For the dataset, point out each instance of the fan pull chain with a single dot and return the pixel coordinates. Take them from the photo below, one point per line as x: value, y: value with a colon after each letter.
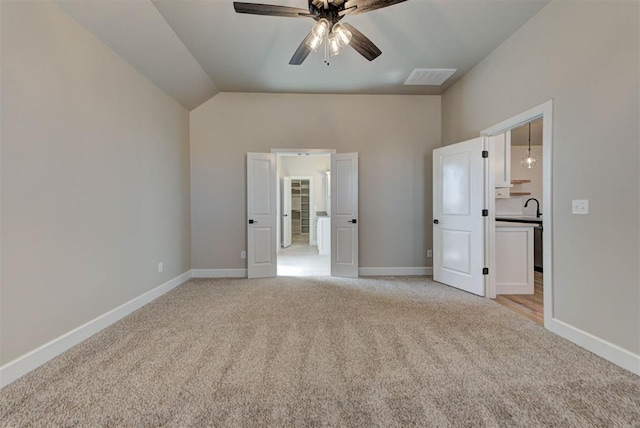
x: 326, y: 50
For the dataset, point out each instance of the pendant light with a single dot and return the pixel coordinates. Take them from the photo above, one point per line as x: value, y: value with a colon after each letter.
x: 529, y: 161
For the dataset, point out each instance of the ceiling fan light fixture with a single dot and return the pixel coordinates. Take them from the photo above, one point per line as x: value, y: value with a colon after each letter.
x: 318, y: 33
x: 326, y: 13
x: 343, y: 35
x: 335, y: 46
x: 321, y: 27
x: 314, y: 42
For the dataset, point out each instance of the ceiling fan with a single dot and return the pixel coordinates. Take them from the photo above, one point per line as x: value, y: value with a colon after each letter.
x: 327, y: 14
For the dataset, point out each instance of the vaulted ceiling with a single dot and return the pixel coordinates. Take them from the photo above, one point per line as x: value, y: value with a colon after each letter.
x: 193, y: 49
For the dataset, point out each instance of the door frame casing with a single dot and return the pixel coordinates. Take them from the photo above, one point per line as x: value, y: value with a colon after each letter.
x: 544, y: 111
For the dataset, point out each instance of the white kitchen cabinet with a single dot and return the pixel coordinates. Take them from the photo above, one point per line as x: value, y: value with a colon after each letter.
x: 502, y: 192
x: 323, y: 235
x: 501, y: 149
x: 514, y: 258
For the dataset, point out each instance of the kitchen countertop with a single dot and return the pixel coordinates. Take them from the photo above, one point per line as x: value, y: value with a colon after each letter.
x: 521, y: 219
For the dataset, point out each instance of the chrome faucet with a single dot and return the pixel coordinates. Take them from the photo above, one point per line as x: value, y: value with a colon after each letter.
x: 538, y: 213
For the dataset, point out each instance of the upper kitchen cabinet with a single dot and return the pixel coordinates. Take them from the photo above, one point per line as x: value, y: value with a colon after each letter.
x: 501, y: 149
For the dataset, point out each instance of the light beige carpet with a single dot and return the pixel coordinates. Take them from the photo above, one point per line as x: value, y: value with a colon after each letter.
x: 323, y: 352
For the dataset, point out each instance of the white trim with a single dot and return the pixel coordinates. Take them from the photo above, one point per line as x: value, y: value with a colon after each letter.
x: 218, y: 273
x: 395, y: 271
x: 490, y: 222
x: 35, y: 358
x: 607, y: 350
x: 300, y: 152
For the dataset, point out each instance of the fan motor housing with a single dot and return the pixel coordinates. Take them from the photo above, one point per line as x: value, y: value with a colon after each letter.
x: 330, y: 13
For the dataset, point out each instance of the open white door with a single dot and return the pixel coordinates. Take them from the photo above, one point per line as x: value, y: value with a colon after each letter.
x: 458, y: 229
x: 344, y: 215
x: 261, y: 215
x: 286, y: 212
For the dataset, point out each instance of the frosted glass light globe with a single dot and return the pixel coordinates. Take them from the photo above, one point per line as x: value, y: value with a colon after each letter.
x: 529, y: 161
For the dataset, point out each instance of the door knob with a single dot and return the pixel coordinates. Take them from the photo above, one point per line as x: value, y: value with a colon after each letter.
x: 285, y: 215
x: 436, y: 221
x: 252, y: 221
x: 354, y: 221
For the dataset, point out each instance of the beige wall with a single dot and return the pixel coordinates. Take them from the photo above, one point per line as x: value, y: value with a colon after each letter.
x: 584, y: 56
x: 95, y: 179
x: 394, y: 136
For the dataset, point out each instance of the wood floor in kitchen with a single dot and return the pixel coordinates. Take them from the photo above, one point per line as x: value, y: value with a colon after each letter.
x: 528, y: 305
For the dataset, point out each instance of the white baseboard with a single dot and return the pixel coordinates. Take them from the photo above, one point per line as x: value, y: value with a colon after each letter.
x: 395, y: 271
x: 377, y: 271
x: 617, y: 355
x: 218, y: 273
x: 33, y: 359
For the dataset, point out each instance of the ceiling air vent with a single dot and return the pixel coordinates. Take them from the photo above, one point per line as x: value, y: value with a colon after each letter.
x: 429, y: 76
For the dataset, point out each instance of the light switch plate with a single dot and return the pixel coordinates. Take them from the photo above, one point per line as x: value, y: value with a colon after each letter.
x: 580, y: 206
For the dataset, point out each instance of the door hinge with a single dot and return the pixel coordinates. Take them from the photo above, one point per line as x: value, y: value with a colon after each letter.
x: 485, y: 213
x: 485, y: 271
x: 485, y: 153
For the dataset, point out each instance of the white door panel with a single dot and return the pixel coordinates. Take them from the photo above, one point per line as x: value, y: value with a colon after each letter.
x: 455, y: 184
x: 458, y: 201
x: 286, y: 212
x: 344, y: 215
x: 261, y: 215
x: 456, y: 251
x: 261, y: 242
x: 344, y: 245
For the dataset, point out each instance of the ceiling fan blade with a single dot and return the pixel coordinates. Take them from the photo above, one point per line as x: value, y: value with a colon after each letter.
x: 301, y: 53
x: 270, y: 10
x: 354, y: 7
x: 362, y: 44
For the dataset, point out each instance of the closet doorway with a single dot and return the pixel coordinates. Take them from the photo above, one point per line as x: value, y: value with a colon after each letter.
x: 304, y: 228
x: 297, y: 193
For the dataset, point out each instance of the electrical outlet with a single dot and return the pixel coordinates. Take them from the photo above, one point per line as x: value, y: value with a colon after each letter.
x: 160, y: 267
x: 243, y: 254
x: 429, y: 253
x: 580, y: 206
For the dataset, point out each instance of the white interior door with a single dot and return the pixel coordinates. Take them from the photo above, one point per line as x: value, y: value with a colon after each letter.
x: 344, y: 215
x: 286, y: 212
x: 458, y: 229
x: 262, y: 185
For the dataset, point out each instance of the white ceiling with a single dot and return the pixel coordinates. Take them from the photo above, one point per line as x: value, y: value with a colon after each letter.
x: 192, y: 49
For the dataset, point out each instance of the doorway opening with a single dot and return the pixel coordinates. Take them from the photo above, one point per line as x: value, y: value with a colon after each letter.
x: 519, y: 234
x: 519, y: 225
x: 304, y: 230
